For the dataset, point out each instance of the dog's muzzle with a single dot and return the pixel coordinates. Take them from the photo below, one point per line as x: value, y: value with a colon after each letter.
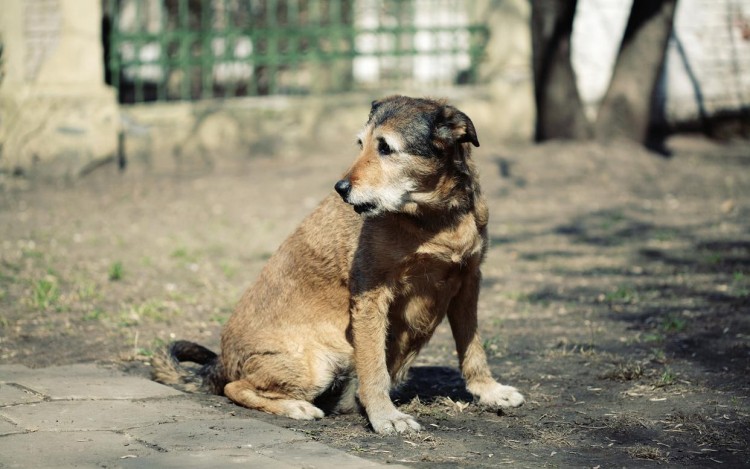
x: 344, y: 188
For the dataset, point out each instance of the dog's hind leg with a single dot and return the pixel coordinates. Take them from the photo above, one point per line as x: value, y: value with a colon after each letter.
x: 243, y: 392
x: 291, y: 381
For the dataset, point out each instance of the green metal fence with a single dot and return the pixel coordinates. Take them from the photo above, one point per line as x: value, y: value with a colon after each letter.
x: 160, y: 50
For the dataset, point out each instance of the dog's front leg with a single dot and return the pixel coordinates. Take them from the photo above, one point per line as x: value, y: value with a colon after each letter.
x: 369, y: 314
x: 462, y: 315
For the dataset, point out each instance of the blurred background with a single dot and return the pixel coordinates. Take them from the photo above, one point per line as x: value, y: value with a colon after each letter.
x: 155, y: 153
x: 89, y: 82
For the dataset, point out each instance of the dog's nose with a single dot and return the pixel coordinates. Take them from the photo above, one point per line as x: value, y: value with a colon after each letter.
x: 343, y: 187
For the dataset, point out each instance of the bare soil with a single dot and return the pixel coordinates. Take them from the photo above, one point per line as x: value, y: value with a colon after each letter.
x: 616, y: 295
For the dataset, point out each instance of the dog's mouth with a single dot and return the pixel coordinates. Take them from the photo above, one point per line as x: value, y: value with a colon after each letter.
x: 364, y: 209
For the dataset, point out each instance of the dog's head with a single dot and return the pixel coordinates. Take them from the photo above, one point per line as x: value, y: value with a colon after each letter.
x: 413, y: 156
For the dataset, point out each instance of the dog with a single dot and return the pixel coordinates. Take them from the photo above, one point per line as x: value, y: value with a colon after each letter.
x: 341, y: 310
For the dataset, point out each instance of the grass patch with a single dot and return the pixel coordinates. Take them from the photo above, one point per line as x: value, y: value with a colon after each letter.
x: 624, y: 372
x: 86, y: 290
x: 713, y: 258
x: 622, y: 294
x: 517, y: 296
x: 219, y: 318
x: 740, y: 285
x: 182, y: 254
x: 492, y: 346
x: 7, y: 269
x: 657, y: 355
x: 31, y: 253
x: 230, y: 271
x: 155, y: 310
x: 664, y: 234
x: 45, y: 293
x: 611, y: 219
x: 116, y: 271
x: 672, y: 324
x: 649, y: 337
x: 667, y: 378
x: 149, y: 350
x: 181, y: 297
x: 96, y: 314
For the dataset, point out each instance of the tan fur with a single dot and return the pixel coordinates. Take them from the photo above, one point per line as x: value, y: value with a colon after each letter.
x: 354, y: 298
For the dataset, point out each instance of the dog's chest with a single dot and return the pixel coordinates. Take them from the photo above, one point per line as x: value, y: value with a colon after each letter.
x: 431, y: 277
x: 436, y: 269
x: 425, y: 290
x: 458, y: 245
x: 428, y: 264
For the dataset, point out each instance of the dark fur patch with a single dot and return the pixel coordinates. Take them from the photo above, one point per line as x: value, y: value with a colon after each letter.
x: 185, y: 351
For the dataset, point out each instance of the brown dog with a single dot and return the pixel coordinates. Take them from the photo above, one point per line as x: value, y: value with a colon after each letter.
x: 343, y: 307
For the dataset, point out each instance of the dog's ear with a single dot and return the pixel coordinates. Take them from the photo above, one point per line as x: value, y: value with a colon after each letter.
x: 456, y: 126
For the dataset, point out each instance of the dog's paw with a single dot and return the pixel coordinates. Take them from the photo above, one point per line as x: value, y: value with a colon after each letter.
x: 393, y: 422
x: 302, y: 410
x: 497, y: 395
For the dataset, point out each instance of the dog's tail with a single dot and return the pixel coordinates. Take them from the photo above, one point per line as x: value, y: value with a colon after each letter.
x: 166, y: 368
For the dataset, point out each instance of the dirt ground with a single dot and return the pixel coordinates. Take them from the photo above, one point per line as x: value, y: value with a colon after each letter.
x: 616, y: 295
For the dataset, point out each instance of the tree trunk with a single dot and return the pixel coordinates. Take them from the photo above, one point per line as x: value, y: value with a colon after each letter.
x: 558, y: 104
x: 627, y: 106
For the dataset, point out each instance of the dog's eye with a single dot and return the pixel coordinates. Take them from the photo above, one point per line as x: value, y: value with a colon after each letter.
x: 359, y: 143
x: 383, y: 148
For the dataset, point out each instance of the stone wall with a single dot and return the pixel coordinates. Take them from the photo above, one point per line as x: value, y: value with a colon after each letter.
x: 196, y: 136
x: 57, y: 117
x: 188, y: 138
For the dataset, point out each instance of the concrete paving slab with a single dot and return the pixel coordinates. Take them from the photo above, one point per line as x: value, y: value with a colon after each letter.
x: 103, y: 415
x: 9, y: 372
x: 89, y: 416
x: 230, y: 433
x: 69, y: 449
x: 206, y: 459
x: 316, y: 455
x: 11, y: 395
x: 7, y: 428
x: 88, y: 381
x: 13, y: 372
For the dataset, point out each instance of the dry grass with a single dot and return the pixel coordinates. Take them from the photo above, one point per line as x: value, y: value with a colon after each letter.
x: 648, y: 452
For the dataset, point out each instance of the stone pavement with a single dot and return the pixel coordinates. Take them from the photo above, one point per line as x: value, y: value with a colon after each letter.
x: 89, y: 416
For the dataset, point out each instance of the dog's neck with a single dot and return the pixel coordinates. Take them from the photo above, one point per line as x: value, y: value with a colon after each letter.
x: 460, y: 194
x: 465, y: 200
x: 427, y: 222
